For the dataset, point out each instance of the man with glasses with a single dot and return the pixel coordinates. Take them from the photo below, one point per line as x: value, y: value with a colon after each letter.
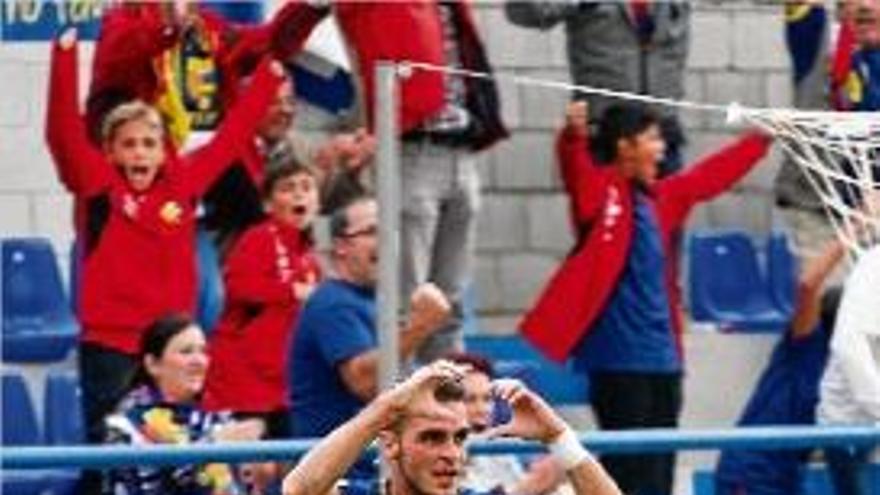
x: 334, y: 355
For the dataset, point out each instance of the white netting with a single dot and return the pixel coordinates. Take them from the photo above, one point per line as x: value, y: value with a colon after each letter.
x: 838, y: 151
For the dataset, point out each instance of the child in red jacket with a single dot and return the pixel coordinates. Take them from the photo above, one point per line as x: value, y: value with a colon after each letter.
x: 269, y: 273
x: 138, y: 259
x: 612, y: 307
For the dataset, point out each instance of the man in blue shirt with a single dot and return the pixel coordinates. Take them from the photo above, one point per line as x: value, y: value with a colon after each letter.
x: 422, y: 428
x: 788, y: 390
x: 334, y: 357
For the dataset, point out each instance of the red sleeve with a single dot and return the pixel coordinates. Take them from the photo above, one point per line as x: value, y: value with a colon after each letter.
x: 205, y: 164
x: 579, y: 176
x: 718, y: 172
x: 283, y: 36
x: 131, y: 36
x: 250, y: 274
x: 81, y: 167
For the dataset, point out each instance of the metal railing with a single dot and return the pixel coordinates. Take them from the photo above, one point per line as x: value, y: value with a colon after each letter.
x: 631, y: 441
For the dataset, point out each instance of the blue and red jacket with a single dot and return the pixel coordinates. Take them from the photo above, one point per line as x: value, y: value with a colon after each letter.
x: 601, y: 203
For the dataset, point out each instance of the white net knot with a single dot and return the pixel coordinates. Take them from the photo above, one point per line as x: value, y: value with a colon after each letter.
x: 404, y: 70
x: 735, y: 114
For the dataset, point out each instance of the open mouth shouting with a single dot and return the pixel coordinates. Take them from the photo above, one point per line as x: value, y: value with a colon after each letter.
x: 140, y: 177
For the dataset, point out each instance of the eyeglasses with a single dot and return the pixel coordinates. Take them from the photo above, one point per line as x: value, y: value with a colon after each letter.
x: 371, y: 230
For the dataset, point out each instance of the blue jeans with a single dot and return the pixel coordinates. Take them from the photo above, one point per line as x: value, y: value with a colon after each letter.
x: 848, y: 469
x: 210, y: 297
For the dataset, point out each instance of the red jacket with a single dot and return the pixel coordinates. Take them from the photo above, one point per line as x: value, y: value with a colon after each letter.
x: 411, y: 30
x: 139, y: 257
x: 249, y: 347
x: 134, y: 35
x: 602, y: 207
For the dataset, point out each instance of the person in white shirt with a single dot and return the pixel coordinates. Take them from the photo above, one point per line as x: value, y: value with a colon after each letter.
x: 849, y: 393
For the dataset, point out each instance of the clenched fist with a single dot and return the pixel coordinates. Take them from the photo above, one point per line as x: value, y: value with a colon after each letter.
x: 429, y: 308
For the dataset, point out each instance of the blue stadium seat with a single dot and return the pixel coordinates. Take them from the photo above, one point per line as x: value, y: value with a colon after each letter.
x: 20, y: 429
x: 64, y: 423
x: 38, y: 325
x: 727, y: 286
x: 782, y: 270
x: 75, y: 270
x: 512, y: 356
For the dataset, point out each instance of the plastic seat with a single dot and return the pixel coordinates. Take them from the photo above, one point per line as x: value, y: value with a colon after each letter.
x: 38, y: 325
x: 782, y: 270
x: 727, y: 287
x: 75, y: 270
x: 64, y: 423
x: 20, y: 429
x: 513, y: 357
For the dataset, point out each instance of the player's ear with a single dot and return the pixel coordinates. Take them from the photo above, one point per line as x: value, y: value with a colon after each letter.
x: 389, y: 442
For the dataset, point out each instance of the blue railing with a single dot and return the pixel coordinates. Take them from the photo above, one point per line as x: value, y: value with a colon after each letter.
x: 632, y: 441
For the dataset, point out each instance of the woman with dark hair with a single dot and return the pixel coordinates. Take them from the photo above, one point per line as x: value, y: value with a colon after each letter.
x: 163, y: 407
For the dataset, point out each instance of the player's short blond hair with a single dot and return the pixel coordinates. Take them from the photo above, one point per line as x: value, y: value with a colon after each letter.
x: 127, y: 112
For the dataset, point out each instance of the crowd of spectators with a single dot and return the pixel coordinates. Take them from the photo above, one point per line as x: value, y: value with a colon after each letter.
x: 292, y: 352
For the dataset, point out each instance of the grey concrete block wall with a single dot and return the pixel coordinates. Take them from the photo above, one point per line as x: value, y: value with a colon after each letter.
x: 737, y: 54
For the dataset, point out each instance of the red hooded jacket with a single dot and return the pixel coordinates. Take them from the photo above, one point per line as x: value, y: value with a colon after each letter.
x: 139, y: 260
x: 249, y: 347
x: 602, y: 208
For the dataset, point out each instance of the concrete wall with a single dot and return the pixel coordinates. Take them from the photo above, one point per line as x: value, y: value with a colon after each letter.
x: 737, y: 54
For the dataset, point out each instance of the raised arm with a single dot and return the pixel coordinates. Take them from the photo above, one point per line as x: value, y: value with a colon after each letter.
x: 577, y: 168
x: 327, y: 462
x: 236, y: 131
x: 718, y: 172
x: 283, y: 37
x: 537, y: 14
x: 132, y: 35
x: 808, y: 300
x: 429, y: 310
x: 858, y: 323
x: 81, y: 167
x: 534, y: 419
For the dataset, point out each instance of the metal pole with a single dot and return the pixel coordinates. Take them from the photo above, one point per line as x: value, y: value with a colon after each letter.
x: 388, y: 179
